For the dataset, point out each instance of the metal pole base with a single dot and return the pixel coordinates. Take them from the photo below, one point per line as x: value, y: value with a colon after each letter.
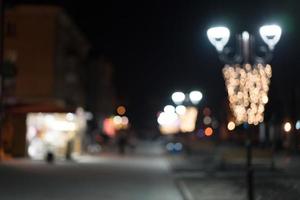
x: 250, y: 187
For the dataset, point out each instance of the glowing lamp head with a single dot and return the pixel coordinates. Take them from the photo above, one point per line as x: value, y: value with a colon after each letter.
x: 178, y: 97
x: 219, y: 37
x: 195, y: 97
x: 270, y: 34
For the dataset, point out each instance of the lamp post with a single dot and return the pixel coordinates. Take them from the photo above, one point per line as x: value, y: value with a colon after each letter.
x: 247, y: 77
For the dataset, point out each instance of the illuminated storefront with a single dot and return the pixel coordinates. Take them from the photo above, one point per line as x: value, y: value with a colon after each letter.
x: 58, y: 133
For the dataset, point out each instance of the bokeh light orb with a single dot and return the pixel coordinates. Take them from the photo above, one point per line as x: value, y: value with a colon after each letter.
x: 169, y: 109
x: 287, y: 127
x: 231, y: 126
x: 121, y: 110
x: 207, y: 120
x: 195, y: 96
x: 180, y: 110
x: 117, y: 119
x: 208, y: 131
x: 297, y: 126
x: 178, y: 97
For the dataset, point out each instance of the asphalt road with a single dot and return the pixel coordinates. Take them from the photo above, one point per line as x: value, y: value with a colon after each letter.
x: 142, y: 176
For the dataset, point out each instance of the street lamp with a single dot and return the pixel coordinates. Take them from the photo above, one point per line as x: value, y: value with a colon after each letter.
x: 186, y: 110
x: 193, y: 97
x: 247, y: 77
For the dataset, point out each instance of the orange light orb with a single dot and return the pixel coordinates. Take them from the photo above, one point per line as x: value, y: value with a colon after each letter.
x: 121, y: 110
x: 208, y: 131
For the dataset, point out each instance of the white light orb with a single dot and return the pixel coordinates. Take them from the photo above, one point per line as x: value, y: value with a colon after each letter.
x: 125, y: 120
x: 70, y: 116
x: 245, y: 36
x: 287, y: 127
x: 231, y: 126
x: 219, y: 37
x: 117, y: 119
x: 298, y: 125
x: 167, y: 119
x: 195, y: 97
x: 270, y: 34
x: 180, y: 110
x: 169, y: 109
x: 178, y: 97
x: 207, y: 120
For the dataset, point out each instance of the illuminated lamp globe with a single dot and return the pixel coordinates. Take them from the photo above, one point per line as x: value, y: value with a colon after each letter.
x: 270, y: 34
x: 178, y: 97
x: 219, y: 37
x: 195, y: 97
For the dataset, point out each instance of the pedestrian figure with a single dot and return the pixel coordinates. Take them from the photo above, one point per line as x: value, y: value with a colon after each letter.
x: 122, y: 142
x: 50, y: 157
x: 69, y: 150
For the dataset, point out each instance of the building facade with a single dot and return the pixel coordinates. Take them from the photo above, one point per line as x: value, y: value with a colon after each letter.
x: 44, y: 56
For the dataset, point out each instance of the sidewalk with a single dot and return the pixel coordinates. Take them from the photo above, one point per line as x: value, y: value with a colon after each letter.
x: 201, y: 176
x: 235, y: 189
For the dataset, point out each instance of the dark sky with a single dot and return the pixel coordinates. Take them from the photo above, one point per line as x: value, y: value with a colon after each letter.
x: 159, y: 46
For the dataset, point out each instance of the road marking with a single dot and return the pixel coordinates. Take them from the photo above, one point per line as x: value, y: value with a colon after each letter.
x: 187, y: 195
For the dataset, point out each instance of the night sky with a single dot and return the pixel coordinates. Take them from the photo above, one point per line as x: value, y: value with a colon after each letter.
x: 160, y: 46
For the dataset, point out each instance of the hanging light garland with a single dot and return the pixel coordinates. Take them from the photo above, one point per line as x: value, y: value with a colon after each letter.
x: 247, y: 88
